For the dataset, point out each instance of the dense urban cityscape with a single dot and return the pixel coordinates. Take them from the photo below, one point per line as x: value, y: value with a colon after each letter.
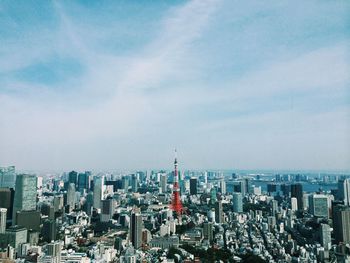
x: 174, y: 216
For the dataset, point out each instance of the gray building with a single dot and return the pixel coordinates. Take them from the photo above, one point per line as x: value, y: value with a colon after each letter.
x: 25, y: 194
x: 7, y: 177
x: 3, y: 212
x: 237, y: 201
x: 136, y: 230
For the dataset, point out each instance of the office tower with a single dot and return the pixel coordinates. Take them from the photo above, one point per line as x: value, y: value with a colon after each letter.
x: 237, y: 203
x: 271, y: 188
x: 71, y: 196
x: 318, y: 205
x: 274, y: 207
x: 16, y: 236
x: 7, y: 177
x: 48, y: 210
x: 325, y: 236
x: 98, y: 191
x: 58, y: 202
x: 294, y: 204
x: 73, y: 177
x: 344, y: 191
x: 218, y: 212
x: 341, y: 224
x: 163, y: 183
x: 285, y: 189
x: 222, y: 186
x: 6, y: 200
x: 83, y: 181
x: 3, y: 212
x: 297, y: 192
x: 193, y: 186
x: 125, y: 183
x: 54, y: 251
x: 136, y: 230
x: 107, y: 210
x: 247, y: 185
x: 208, y: 231
x: 134, y: 183
x: 29, y: 219
x: 49, y: 230
x: 25, y: 194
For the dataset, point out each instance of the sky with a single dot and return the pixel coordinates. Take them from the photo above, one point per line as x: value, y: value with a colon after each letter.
x: 98, y: 85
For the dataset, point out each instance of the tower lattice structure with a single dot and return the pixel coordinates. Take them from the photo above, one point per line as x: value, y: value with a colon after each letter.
x: 176, y: 204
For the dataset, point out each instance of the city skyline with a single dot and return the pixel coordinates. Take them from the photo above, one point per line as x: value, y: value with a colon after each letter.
x: 119, y: 85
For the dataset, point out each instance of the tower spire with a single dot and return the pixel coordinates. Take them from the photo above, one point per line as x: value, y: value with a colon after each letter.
x: 176, y: 204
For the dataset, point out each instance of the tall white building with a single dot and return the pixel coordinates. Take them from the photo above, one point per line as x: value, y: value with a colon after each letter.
x: 98, y: 191
x: 3, y: 212
x: 294, y: 203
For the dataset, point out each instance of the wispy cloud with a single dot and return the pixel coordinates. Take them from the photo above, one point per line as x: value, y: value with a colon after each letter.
x: 219, y: 80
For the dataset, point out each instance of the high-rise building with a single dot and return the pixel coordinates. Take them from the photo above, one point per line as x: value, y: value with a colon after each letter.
x: 71, y: 196
x: 7, y: 177
x: 83, y: 181
x: 341, y: 224
x: 98, y: 191
x: 163, y: 183
x: 6, y: 200
x: 3, y: 212
x: 25, y: 194
x: 271, y: 187
x: 49, y: 230
x: 297, y: 192
x: 294, y: 203
x: 318, y: 205
x: 274, y: 207
x: 73, y: 177
x: 237, y: 202
x: 219, y: 218
x: 193, y: 186
x: 136, y: 230
x: 222, y: 186
x: 208, y: 231
x: 107, y: 210
x: 344, y: 191
x: 54, y: 251
x: 28, y: 219
x: 325, y: 236
x: 134, y: 183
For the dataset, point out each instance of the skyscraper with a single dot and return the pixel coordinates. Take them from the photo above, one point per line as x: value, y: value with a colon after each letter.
x: 342, y: 224
x: 136, y: 230
x: 83, y: 181
x: 193, y: 186
x: 54, y: 251
x: 6, y: 200
x: 7, y: 177
x: 218, y: 212
x: 73, y: 177
x: 344, y: 191
x: 25, y: 194
x: 237, y: 203
x: 71, y: 196
x: 98, y: 191
x: 163, y: 183
x: 107, y: 209
x: 3, y: 212
x: 297, y: 192
x: 325, y: 236
x: 318, y: 205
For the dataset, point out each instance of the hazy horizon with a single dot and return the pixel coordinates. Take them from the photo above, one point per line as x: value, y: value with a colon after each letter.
x: 118, y: 85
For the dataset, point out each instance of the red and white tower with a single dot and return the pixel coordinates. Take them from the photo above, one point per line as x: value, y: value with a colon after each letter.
x: 176, y: 204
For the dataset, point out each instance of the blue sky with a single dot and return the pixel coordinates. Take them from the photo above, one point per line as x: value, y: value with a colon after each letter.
x: 120, y: 84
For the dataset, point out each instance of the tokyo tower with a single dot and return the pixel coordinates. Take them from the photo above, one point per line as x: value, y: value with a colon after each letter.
x: 176, y: 204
